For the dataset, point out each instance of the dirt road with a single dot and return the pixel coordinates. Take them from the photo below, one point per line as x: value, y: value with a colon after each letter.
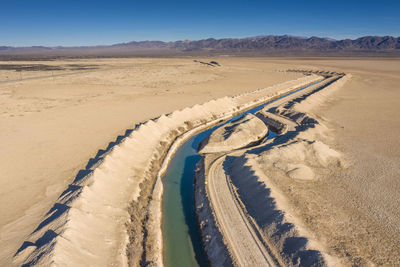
x: 243, y: 240
x: 242, y: 237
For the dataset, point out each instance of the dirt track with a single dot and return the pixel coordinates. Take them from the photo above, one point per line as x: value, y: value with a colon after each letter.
x: 243, y: 238
x: 248, y: 249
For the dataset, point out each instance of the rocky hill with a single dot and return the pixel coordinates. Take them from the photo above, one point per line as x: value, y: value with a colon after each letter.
x: 267, y: 45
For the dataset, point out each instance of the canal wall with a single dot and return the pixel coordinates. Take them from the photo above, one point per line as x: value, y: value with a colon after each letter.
x: 93, y: 221
x: 290, y: 241
x: 213, y: 240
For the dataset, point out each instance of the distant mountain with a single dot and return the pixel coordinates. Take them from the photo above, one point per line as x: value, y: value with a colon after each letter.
x: 269, y: 45
x: 368, y: 43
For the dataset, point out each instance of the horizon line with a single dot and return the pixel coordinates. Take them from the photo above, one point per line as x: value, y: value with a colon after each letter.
x: 192, y: 40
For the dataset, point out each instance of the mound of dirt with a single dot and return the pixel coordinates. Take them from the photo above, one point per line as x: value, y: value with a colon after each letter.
x: 234, y: 135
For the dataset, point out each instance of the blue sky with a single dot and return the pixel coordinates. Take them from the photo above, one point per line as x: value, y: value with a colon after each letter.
x: 86, y: 22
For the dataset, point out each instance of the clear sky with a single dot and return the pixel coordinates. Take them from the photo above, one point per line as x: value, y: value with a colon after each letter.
x: 90, y: 22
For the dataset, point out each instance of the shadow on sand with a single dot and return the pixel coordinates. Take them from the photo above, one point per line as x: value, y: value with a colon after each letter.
x: 62, y: 207
x: 262, y: 208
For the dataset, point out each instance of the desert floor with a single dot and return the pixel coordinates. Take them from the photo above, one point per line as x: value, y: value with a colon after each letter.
x: 355, y: 211
x: 54, y: 119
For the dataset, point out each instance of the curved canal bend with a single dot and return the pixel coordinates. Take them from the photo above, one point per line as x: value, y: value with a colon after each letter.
x: 181, y: 235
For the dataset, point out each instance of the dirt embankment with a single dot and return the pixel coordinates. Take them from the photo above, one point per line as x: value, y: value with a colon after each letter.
x: 213, y: 240
x: 240, y: 133
x: 299, y: 155
x: 355, y: 209
x: 54, y: 118
x: 97, y: 201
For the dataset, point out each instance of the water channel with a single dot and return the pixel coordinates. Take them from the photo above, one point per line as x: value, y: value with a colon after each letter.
x: 181, y: 235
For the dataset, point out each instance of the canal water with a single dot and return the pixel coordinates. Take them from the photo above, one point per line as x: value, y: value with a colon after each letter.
x: 181, y: 235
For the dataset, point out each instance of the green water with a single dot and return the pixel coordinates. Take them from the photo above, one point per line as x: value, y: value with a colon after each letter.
x: 181, y: 235
x: 182, y: 240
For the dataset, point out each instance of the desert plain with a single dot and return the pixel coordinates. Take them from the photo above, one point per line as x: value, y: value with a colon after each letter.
x: 56, y: 115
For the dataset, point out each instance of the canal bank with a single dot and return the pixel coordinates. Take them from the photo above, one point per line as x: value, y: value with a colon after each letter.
x: 181, y: 236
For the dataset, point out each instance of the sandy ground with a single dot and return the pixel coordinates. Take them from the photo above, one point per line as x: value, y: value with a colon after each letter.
x: 365, y: 117
x: 362, y: 200
x: 338, y: 182
x: 245, y: 237
x: 106, y: 199
x: 53, y: 123
x: 51, y: 126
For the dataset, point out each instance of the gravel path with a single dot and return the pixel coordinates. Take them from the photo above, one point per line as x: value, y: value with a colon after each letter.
x: 242, y: 239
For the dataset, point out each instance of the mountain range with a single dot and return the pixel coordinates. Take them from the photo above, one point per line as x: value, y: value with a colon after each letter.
x: 267, y: 45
